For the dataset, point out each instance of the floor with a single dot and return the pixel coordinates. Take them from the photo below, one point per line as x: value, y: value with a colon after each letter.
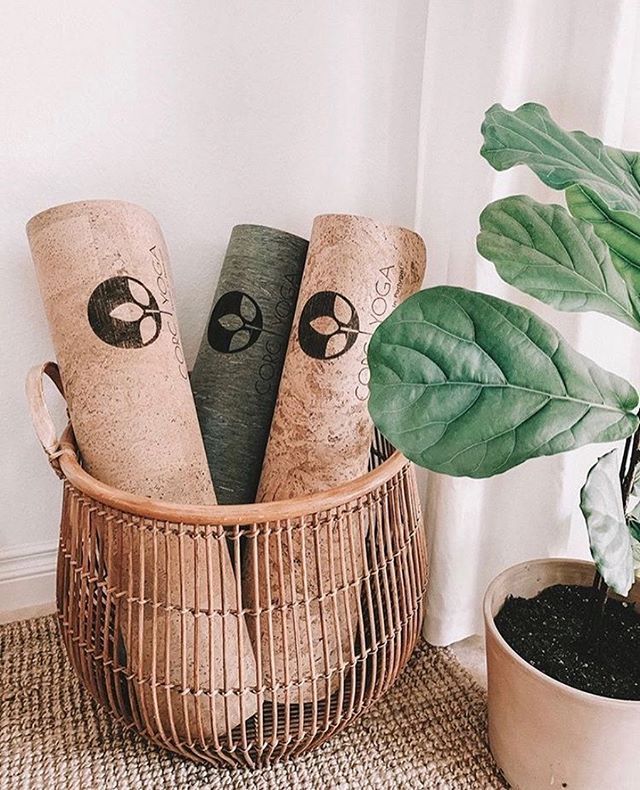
x: 470, y: 653
x: 27, y: 613
x: 427, y: 731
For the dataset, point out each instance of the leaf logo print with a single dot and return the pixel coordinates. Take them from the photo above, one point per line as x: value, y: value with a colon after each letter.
x: 140, y: 293
x: 329, y: 325
x: 124, y: 313
x: 129, y: 311
x: 325, y: 325
x: 232, y: 323
x: 235, y: 324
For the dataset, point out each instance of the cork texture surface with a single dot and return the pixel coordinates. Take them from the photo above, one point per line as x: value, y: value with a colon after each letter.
x: 104, y: 277
x: 103, y: 271
x: 357, y: 271
x: 188, y: 643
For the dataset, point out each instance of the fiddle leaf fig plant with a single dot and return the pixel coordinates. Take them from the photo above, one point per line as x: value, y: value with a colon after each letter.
x: 561, y: 159
x: 545, y: 252
x: 620, y: 230
x: 464, y: 383
x: 468, y: 384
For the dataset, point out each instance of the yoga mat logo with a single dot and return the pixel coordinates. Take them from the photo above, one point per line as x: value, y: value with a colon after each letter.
x: 235, y: 324
x: 124, y: 313
x: 329, y: 325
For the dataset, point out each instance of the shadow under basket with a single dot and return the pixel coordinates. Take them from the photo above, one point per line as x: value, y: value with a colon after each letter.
x: 329, y: 618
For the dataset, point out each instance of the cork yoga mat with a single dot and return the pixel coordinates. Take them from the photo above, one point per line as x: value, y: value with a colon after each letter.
x: 237, y: 372
x: 103, y: 271
x: 357, y: 271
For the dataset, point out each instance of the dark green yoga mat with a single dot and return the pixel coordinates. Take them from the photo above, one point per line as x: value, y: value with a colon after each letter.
x: 236, y: 375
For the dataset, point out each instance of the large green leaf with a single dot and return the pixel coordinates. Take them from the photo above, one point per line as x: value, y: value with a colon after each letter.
x: 545, y: 252
x: 530, y: 136
x: 609, y: 538
x: 633, y: 519
x: 633, y: 522
x: 468, y: 384
x: 619, y: 229
x: 629, y: 161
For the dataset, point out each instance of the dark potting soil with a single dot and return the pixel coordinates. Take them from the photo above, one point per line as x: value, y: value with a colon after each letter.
x: 548, y: 631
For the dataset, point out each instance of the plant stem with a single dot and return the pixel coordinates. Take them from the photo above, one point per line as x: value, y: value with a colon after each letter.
x: 595, y: 615
x: 627, y: 476
x: 625, y: 458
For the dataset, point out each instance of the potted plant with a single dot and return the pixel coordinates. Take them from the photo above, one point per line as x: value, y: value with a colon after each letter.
x: 468, y: 384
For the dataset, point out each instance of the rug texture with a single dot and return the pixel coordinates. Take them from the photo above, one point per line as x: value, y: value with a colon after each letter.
x: 428, y: 732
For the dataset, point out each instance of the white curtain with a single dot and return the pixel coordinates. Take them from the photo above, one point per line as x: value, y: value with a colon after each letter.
x: 581, y: 59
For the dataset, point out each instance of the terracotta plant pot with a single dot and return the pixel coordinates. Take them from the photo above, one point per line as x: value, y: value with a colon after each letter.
x: 543, y: 733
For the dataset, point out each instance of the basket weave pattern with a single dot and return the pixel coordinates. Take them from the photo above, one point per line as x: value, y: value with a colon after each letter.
x: 124, y: 608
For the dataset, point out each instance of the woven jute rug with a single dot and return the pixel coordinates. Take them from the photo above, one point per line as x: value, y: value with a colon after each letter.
x: 428, y: 732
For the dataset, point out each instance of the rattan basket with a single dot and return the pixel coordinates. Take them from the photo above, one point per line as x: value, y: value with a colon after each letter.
x: 371, y: 607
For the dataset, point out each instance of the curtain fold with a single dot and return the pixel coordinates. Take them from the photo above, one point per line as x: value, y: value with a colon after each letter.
x: 582, y: 61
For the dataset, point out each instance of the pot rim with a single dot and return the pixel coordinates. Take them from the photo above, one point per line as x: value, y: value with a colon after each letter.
x: 491, y: 629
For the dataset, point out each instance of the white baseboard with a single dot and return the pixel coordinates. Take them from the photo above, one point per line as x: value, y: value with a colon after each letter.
x: 27, y: 580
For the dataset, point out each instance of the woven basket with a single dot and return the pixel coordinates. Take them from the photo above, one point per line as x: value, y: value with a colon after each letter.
x: 372, y: 607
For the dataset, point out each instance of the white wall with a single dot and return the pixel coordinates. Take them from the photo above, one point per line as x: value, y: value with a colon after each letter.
x: 209, y: 114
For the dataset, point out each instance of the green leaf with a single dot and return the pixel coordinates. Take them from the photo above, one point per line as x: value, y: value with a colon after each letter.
x: 468, y: 384
x: 620, y: 230
x: 633, y: 522
x: 626, y: 160
x: 545, y: 252
x: 609, y: 538
x: 530, y: 136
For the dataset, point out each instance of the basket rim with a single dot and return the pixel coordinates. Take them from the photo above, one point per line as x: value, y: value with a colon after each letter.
x: 223, y: 515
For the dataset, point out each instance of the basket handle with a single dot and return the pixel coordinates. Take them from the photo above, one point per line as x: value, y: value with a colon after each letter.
x: 40, y: 414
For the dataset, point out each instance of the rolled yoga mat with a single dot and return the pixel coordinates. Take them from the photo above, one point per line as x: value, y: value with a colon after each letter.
x: 357, y: 271
x: 236, y: 375
x: 103, y: 271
